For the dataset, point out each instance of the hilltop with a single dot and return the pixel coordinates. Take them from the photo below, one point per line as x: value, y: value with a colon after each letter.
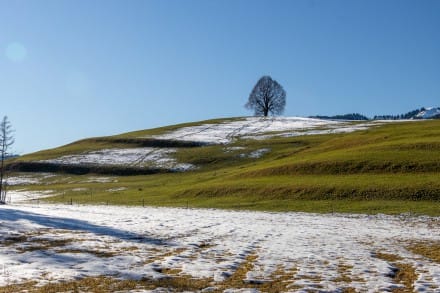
x: 284, y: 163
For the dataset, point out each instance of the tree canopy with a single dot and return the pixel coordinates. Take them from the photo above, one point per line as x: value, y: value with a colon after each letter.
x: 267, y: 97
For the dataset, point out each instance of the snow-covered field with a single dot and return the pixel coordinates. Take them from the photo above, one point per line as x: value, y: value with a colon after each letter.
x: 62, y: 242
x: 135, y: 157
x: 260, y: 127
x: 219, y: 133
x: 23, y: 195
x: 28, y: 179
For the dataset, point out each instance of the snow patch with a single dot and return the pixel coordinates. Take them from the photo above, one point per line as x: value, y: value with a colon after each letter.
x: 28, y: 179
x: 135, y: 157
x: 233, y: 149
x: 21, y: 195
x: 256, y: 154
x: 117, y: 189
x: 78, y: 189
x: 262, y: 128
x: 101, y: 179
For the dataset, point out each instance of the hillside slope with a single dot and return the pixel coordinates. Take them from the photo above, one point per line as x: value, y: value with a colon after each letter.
x: 272, y: 164
x: 154, y: 151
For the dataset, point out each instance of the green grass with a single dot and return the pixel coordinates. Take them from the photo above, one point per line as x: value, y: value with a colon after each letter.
x: 392, y: 168
x: 98, y: 143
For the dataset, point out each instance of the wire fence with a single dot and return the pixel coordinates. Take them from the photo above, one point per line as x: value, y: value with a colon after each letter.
x: 137, y: 202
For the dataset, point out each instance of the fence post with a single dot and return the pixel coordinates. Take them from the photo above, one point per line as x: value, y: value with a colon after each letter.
x: 71, y: 202
x: 143, y: 203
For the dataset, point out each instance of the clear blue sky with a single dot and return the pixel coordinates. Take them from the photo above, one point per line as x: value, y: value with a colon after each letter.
x: 75, y: 69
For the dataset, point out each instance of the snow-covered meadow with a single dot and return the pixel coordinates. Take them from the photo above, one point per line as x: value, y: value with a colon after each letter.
x: 62, y: 242
x: 129, y: 157
x: 215, y: 133
x: 262, y: 127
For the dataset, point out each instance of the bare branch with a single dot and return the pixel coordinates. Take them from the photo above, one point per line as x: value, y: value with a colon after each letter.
x: 6, y: 141
x: 267, y: 97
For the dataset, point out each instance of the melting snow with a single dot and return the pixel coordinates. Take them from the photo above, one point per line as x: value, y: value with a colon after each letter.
x: 117, y: 189
x: 259, y: 127
x: 28, y: 179
x: 101, y: 179
x: 220, y: 133
x: 136, y: 157
x: 213, y: 243
x: 14, y: 196
x: 256, y: 154
x: 80, y: 189
x: 233, y: 149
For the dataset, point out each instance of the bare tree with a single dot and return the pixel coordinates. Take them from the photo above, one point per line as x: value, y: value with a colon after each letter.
x: 6, y: 141
x: 267, y: 96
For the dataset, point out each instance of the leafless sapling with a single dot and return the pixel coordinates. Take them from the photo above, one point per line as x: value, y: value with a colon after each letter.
x: 6, y: 141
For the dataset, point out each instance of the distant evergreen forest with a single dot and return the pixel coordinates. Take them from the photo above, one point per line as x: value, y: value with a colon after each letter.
x: 352, y: 116
x: 409, y: 115
x: 360, y: 117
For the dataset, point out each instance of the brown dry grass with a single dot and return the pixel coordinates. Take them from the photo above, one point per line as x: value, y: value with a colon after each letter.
x: 387, y: 256
x: 404, y: 274
x: 98, y: 253
x: 41, y: 244
x: 428, y: 249
x: 344, y: 273
x: 107, y: 284
x: 174, y: 281
x: 280, y: 281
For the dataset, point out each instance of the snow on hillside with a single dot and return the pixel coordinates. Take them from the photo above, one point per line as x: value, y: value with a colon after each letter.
x: 23, y: 195
x: 58, y: 242
x: 428, y: 113
x: 217, y: 133
x: 27, y: 179
x: 135, y: 157
x: 260, y: 127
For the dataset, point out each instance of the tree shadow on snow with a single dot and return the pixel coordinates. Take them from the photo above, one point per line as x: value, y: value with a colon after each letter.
x: 11, y: 214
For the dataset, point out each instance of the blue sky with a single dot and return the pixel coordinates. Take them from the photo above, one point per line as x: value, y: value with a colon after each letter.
x: 76, y: 69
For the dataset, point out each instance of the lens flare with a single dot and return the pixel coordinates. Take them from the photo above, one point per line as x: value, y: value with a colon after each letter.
x: 16, y: 52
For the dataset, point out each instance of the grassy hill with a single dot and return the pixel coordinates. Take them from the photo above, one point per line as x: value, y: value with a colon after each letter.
x: 390, y: 168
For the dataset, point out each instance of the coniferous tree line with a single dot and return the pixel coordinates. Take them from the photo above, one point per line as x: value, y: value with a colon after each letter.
x: 408, y: 115
x: 360, y: 117
x: 351, y: 116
